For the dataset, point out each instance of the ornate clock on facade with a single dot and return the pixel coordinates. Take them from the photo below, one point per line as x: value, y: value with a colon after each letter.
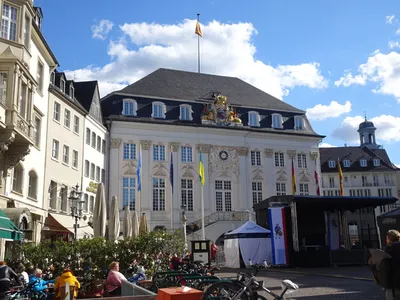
x: 223, y: 155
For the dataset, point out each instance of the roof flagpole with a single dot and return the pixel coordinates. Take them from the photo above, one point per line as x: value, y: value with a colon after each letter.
x: 199, y: 34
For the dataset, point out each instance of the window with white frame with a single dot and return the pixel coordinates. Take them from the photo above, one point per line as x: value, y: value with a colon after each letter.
x: 298, y: 122
x: 37, y: 127
x: 88, y: 134
x: 3, y: 87
x: 129, y: 151
x: 27, y: 29
x: 223, y: 195
x: 185, y: 112
x: 363, y: 162
x: 346, y: 163
x: 276, y: 121
x: 158, y: 194
x: 254, y: 119
x: 159, y: 110
x: 159, y: 152
x: 187, y: 194
x: 32, y: 184
x: 280, y: 189
x: 64, y: 198
x: 23, y: 100
x: 186, y: 154
x: 66, y: 154
x: 332, y: 164
x: 56, y: 111
x: 18, y: 179
x: 92, y: 170
x: 129, y: 107
x: 9, y: 22
x: 93, y: 139
x: 255, y: 157
x: 98, y: 174
x: 256, y: 188
x: 302, y: 161
x: 98, y: 144
x: 76, y: 124
x: 279, y: 159
x: 75, y: 159
x: 53, y: 194
x: 129, y: 192
x: 62, y: 84
x: 87, y: 168
x: 55, y: 149
x: 303, y: 187
x: 377, y: 162
x: 39, y: 76
x: 67, y: 118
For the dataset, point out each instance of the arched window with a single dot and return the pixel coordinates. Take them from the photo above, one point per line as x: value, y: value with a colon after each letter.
x: 254, y: 119
x: 129, y: 107
x: 18, y: 178
x: 276, y: 121
x: 159, y: 110
x: 86, y: 203
x: 32, y: 184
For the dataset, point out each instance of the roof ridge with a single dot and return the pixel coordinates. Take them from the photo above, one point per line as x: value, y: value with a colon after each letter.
x: 390, y: 165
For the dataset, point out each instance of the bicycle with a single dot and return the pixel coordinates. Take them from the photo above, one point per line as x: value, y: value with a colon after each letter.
x: 245, y: 287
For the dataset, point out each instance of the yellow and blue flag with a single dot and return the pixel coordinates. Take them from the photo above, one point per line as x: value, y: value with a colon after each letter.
x: 201, y: 169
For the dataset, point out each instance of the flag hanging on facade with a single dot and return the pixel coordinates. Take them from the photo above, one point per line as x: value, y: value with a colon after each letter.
x: 293, y: 179
x: 139, y: 171
x: 340, y: 178
x: 201, y: 169
x: 171, y: 173
x: 317, y: 181
x: 198, y: 29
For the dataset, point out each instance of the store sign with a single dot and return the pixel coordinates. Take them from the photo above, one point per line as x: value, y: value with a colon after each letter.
x: 92, y: 188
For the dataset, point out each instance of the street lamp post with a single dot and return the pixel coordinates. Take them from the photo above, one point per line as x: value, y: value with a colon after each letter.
x: 76, y: 207
x: 184, y: 220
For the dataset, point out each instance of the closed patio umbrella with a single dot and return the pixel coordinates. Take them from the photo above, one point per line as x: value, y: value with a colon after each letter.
x: 99, y: 214
x: 143, y: 227
x: 127, y: 223
x: 135, y: 224
x: 113, y: 220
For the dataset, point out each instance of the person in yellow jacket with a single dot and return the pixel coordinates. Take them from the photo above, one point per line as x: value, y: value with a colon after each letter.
x: 66, y: 276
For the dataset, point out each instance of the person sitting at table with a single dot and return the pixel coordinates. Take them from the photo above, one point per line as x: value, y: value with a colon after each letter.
x: 40, y: 285
x: 114, y: 279
x: 66, y: 276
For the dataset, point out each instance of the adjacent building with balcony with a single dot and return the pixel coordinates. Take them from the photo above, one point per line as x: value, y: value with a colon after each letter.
x: 367, y: 171
x: 26, y: 62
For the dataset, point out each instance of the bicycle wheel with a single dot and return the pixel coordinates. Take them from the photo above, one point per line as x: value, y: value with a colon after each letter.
x: 223, y: 291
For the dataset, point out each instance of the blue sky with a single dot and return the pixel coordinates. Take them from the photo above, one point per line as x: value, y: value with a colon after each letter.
x: 309, y: 53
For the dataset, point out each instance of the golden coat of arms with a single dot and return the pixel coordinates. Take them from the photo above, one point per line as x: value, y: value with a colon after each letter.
x: 220, y: 113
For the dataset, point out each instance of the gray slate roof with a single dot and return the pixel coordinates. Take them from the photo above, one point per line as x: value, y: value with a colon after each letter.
x: 182, y: 85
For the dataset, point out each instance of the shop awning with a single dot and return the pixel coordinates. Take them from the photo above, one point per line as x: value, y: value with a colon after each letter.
x: 8, y: 230
x: 65, y: 223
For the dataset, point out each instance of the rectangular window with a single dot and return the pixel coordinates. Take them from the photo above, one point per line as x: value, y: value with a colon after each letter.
x: 98, y: 143
x: 62, y: 85
x: 159, y: 152
x: 87, y: 168
x: 103, y: 146
x: 332, y: 182
x: 186, y: 114
x: 88, y: 133
x: 255, y: 158
x: 27, y: 29
x: 55, y: 148
x: 304, y: 189
x: 103, y: 176
x: 75, y: 159
x: 129, y: 151
x: 298, y: 122
x: 377, y: 162
x: 363, y: 162
x: 91, y: 204
x: 56, y: 111
x: 129, y: 108
x: 279, y: 159
x: 223, y: 195
x: 346, y: 163
x: 92, y: 170
x: 9, y: 23
x: 280, y: 189
x: 158, y: 194
x: 23, y: 100
x: 187, y: 193
x: 98, y: 170
x: 302, y: 161
x: 36, y: 131
x: 3, y: 87
x: 129, y: 192
x: 66, y: 154
x: 94, y: 140
x: 256, y: 188
x: 64, y: 198
x: 276, y: 121
x: 253, y: 119
x: 186, y: 154
x: 76, y: 124
x: 67, y: 118
x: 332, y: 164
x: 39, y: 76
x: 158, y: 111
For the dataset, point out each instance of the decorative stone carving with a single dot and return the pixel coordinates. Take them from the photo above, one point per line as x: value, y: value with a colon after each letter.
x: 268, y: 152
x: 220, y: 113
x: 243, y: 151
x: 23, y: 127
x: 16, y: 154
x: 6, y: 140
x: 313, y: 155
x: 130, y: 167
x: 224, y: 161
x: 145, y: 145
x: 115, y: 143
x: 304, y: 176
x: 257, y: 174
x: 160, y: 170
x: 291, y: 153
x: 205, y: 148
x: 281, y: 175
x: 174, y: 146
x: 187, y: 171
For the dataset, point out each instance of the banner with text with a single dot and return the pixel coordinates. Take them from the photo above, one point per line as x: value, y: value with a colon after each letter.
x: 279, y: 243
x: 333, y: 230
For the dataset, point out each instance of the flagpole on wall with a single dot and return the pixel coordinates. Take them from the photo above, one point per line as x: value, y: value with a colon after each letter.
x: 203, y: 230
x: 198, y: 46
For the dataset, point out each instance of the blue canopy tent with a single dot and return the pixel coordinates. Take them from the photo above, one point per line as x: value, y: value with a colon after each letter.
x: 251, y: 241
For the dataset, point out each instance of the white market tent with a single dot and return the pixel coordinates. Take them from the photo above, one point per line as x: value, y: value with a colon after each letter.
x: 251, y: 241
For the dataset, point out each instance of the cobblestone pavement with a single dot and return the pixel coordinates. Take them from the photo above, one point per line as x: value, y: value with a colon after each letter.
x: 317, y: 287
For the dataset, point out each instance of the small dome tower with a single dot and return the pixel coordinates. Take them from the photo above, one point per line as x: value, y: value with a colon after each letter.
x: 366, y: 131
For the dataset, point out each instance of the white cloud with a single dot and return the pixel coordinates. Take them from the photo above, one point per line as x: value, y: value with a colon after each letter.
x: 388, y: 129
x: 390, y: 19
x: 325, y: 145
x: 101, y: 30
x: 226, y: 49
x: 393, y: 44
x: 333, y: 110
x: 381, y: 69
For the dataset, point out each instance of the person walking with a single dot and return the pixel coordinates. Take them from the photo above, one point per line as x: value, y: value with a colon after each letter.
x: 393, y: 249
x: 6, y: 274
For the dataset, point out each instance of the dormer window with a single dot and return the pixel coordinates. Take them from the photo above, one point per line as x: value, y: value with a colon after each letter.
x: 62, y: 84
x: 332, y: 164
x: 377, y: 162
x: 276, y: 121
x: 363, y: 162
x: 52, y: 77
x: 254, y: 119
x: 298, y: 122
x: 71, y: 91
x: 346, y: 163
x: 185, y: 112
x: 129, y: 107
x: 159, y: 110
